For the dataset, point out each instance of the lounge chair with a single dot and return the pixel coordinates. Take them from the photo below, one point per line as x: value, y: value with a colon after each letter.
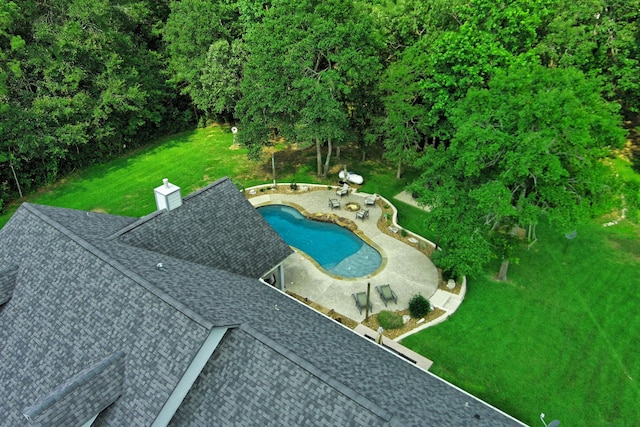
x: 343, y: 191
x: 361, y: 301
x: 370, y: 200
x: 362, y: 214
x: 386, y: 294
x: 334, y: 204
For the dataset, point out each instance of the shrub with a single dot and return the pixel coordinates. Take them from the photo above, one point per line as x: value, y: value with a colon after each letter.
x: 403, y: 232
x: 389, y: 320
x: 419, y: 306
x: 387, y: 216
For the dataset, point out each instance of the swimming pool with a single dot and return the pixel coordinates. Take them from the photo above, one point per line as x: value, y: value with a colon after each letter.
x: 334, y: 248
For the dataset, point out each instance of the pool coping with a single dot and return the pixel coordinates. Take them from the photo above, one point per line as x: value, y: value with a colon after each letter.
x: 357, y: 232
x: 447, y: 301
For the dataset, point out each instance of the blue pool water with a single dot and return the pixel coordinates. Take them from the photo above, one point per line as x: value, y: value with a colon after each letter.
x: 336, y: 249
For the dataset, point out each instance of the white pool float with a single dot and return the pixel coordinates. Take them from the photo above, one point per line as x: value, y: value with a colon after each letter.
x: 351, y: 177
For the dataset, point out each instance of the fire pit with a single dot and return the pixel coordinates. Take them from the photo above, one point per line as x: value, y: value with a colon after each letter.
x: 352, y: 206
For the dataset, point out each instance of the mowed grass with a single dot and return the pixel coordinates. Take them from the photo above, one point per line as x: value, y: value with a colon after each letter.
x: 559, y: 337
x: 125, y: 186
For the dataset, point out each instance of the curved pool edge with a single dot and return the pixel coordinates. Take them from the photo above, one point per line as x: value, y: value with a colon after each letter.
x: 335, y: 292
x: 357, y: 232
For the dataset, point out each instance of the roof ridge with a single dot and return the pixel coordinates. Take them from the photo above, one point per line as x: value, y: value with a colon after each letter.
x: 208, y: 187
x: 140, y: 221
x: 319, y: 373
x: 154, y: 214
x: 141, y: 281
x: 98, y: 385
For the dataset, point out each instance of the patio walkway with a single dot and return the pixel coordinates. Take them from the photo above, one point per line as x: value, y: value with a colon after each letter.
x: 407, y: 270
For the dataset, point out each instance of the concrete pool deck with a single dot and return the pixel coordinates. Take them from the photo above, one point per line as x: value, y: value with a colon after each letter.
x: 405, y: 268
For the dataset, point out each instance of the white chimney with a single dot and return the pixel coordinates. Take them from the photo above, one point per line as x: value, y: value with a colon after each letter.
x: 168, y: 196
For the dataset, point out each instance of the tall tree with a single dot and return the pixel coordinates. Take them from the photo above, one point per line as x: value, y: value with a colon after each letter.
x: 600, y: 37
x: 84, y: 85
x: 205, y: 50
x: 9, y: 67
x: 530, y: 145
x: 457, y: 53
x: 307, y: 82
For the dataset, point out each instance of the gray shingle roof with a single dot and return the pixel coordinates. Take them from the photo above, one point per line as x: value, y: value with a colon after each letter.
x: 7, y: 283
x: 216, y: 226
x: 83, y: 396
x: 322, y: 349
x: 233, y: 390
x: 71, y: 307
x: 81, y: 296
x: 86, y: 225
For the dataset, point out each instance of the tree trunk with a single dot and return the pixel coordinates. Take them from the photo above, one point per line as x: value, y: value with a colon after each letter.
x: 15, y: 177
x: 399, y: 171
x: 504, y: 267
x: 338, y: 152
x: 318, y: 158
x: 328, y: 159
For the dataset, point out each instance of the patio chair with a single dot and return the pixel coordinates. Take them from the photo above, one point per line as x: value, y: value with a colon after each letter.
x: 386, y: 294
x: 361, y: 301
x: 343, y: 191
x: 362, y: 214
x: 370, y: 200
x: 334, y: 204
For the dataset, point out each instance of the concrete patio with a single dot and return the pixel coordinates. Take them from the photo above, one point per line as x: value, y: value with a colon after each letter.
x: 404, y: 267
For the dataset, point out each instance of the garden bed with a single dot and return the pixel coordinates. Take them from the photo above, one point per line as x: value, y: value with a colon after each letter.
x: 412, y: 324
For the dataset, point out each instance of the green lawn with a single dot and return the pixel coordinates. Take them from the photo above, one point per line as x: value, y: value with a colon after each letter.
x: 125, y: 186
x: 559, y: 337
x: 190, y: 160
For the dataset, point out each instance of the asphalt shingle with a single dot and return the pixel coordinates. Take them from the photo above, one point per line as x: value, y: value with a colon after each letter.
x: 83, y: 396
x: 90, y: 285
x: 217, y: 227
x: 70, y: 308
x: 7, y: 283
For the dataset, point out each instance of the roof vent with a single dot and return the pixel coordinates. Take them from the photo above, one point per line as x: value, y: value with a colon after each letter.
x: 168, y: 196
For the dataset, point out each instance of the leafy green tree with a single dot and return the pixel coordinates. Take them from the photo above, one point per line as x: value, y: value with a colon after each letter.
x: 9, y: 67
x: 600, y: 38
x: 530, y: 145
x: 459, y: 53
x: 403, y: 123
x: 84, y: 85
x: 222, y: 75
x: 307, y: 83
x: 205, y: 53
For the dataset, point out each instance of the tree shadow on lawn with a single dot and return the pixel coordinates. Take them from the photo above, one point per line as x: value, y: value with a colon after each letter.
x: 633, y: 151
x: 292, y: 161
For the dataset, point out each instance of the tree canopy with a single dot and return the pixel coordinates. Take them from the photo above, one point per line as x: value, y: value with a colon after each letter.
x: 81, y: 84
x: 306, y: 83
x: 465, y: 92
x: 528, y: 146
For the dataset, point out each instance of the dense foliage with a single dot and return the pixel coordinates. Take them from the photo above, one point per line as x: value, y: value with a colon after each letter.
x: 81, y: 81
x: 419, y: 306
x: 505, y: 108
